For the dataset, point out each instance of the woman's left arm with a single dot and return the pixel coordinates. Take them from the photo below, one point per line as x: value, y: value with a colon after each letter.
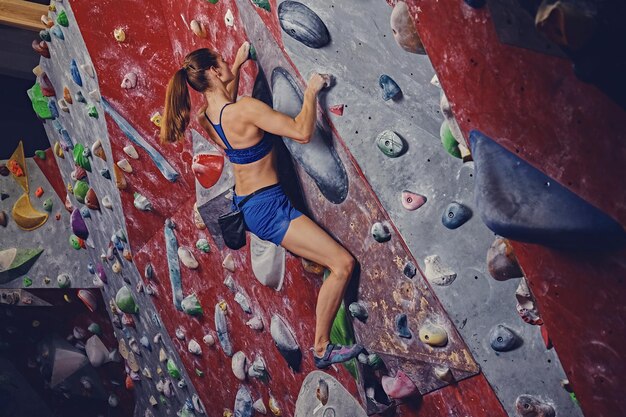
x: 242, y: 56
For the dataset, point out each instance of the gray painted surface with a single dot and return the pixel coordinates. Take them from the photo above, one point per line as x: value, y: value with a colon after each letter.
x: 58, y: 256
x: 363, y: 48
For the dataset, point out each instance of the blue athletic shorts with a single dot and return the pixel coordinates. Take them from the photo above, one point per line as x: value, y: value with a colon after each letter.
x: 268, y: 213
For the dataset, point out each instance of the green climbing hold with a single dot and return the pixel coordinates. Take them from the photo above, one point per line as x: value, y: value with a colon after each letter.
x: 80, y: 190
x: 93, y: 112
x: 41, y: 154
x: 252, y: 53
x: 80, y: 157
x: 191, y: 305
x: 212, y: 1
x: 47, y: 204
x: 15, y: 262
x: 27, y: 282
x: 39, y: 102
x: 76, y: 242
x: 390, y: 143
x: 374, y: 360
x: 62, y: 19
x: 199, y: 373
x: 448, y: 141
x: 94, y: 328
x: 263, y: 4
x: 203, y: 245
x: 125, y: 301
x: 172, y: 369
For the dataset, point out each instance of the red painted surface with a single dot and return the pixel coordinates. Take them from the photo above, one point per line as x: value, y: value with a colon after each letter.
x: 533, y: 105
x: 155, y: 49
x: 51, y: 171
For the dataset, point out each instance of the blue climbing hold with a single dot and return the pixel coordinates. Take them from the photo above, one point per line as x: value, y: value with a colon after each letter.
x: 455, y: 215
x: 221, y: 328
x: 66, y: 138
x: 171, y: 249
x: 519, y: 202
x: 56, y: 31
x: 54, y: 110
x: 84, y: 211
x: 402, y: 326
x: 391, y: 90
x: 75, y: 73
x: 243, y: 402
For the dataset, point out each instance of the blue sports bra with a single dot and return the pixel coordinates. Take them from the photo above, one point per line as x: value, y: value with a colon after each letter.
x: 246, y: 155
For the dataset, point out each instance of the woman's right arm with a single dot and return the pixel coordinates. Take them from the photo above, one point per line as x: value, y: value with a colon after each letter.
x: 299, y: 128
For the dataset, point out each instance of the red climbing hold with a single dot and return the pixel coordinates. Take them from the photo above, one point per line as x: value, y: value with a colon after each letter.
x: 546, y: 337
x: 38, y: 192
x: 337, y: 109
x: 207, y: 168
x: 41, y: 48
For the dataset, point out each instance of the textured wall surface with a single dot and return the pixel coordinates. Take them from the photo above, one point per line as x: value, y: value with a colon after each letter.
x: 362, y: 48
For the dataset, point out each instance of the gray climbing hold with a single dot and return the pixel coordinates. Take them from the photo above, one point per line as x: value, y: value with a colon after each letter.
x: 230, y: 283
x: 148, y: 271
x: 390, y: 88
x: 285, y: 341
x: 358, y: 311
x: 267, y: 261
x: 380, y: 232
x: 404, y: 31
x: 258, y: 369
x: 221, y: 328
x: 259, y: 406
x: 402, y: 326
x: 455, y: 215
x: 321, y: 395
x: 529, y: 406
x: 409, y: 270
x: 56, y: 31
x: 243, y: 402
x: 243, y: 302
x: 502, y: 339
x: 438, y: 273
x: 302, y: 24
x: 390, y: 143
x: 171, y: 248
x: 239, y: 364
x: 255, y: 323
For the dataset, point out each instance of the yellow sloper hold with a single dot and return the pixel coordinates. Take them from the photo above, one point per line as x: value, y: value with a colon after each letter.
x: 18, y: 156
x: 26, y: 217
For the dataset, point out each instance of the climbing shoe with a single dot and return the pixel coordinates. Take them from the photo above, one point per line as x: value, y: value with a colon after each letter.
x: 337, y: 354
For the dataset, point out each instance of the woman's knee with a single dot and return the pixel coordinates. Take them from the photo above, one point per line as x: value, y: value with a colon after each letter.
x: 343, y: 265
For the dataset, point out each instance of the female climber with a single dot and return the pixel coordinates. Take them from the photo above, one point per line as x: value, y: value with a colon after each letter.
x: 238, y: 127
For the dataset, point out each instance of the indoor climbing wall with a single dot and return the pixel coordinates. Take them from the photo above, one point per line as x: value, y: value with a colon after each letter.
x: 442, y: 307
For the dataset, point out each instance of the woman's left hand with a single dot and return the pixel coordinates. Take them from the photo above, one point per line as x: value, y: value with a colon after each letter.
x: 242, y: 54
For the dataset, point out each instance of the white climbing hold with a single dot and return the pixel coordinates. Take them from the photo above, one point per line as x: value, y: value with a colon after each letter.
x: 194, y: 347
x: 125, y: 165
x: 129, y: 81
x: 229, y: 263
x: 142, y: 203
x: 180, y: 333
x: 116, y: 267
x: 106, y: 202
x: 255, y: 323
x: 131, y: 151
x: 438, y: 273
x: 63, y: 105
x: 243, y: 302
x: 162, y: 355
x: 259, y: 406
x: 94, y: 95
x: 267, y: 261
x: 229, y: 19
x: 198, y: 28
x: 157, y: 338
x: 187, y: 258
x: 209, y: 339
x: 239, y: 363
x: 119, y: 34
x: 230, y: 283
x: 87, y: 69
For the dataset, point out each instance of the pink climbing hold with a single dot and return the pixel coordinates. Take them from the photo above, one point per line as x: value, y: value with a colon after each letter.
x: 207, y: 167
x: 412, y: 201
x: 399, y: 386
x: 89, y: 299
x: 337, y: 109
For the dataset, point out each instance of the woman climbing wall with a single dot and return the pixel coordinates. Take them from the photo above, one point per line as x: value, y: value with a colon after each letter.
x: 267, y: 211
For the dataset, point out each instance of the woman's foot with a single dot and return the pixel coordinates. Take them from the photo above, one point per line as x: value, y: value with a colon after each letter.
x: 337, y: 354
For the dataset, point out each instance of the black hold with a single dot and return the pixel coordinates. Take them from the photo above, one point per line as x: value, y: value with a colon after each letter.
x: 402, y: 326
x: 455, y: 215
x: 409, y: 270
x: 303, y: 24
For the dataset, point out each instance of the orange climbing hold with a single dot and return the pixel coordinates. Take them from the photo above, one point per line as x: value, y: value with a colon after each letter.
x: 67, y: 96
x: 38, y: 192
x: 17, y: 166
x: 207, y: 167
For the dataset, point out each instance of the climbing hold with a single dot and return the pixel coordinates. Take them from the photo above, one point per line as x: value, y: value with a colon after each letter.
x: 412, y: 201
x: 27, y: 282
x: 63, y: 106
x: 259, y: 406
x: 58, y: 151
x: 89, y: 299
x: 125, y: 301
x: 321, y: 392
x: 119, y: 34
x: 56, y: 31
x: 400, y: 386
x: 239, y: 365
x: 268, y: 262
x: 47, y: 204
x: 501, y: 261
x: 263, y: 4
x: 186, y: 257
x: 41, y: 47
x: 92, y: 112
x: 443, y: 373
x: 519, y: 202
x: 54, y: 110
x: 80, y: 98
x: 78, y: 225
x: 107, y: 203
x: 208, y: 339
x: 77, y: 243
x: 229, y: 263
x: 391, y: 90
x: 273, y: 404
x: 410, y: 270
x: 194, y: 347
x: 208, y: 167
x: 148, y: 271
x: 318, y: 158
x: 67, y: 96
x: 64, y: 280
x: 91, y: 200
x: 25, y: 215
x: 75, y: 73
x: 3, y: 219
x: 198, y: 29
x: 98, y: 150
x: 191, y: 305
x: 529, y: 406
x: 337, y: 109
x: 84, y: 211
x: 142, y: 203
x: 88, y: 69
x: 302, y: 24
x: 172, y: 369
x: 358, y: 311
x: 125, y: 165
x: 45, y: 35
x: 203, y: 245
x: 222, y: 330
x: 285, y: 341
x: 404, y: 31
x: 120, y: 178
x: 433, y: 335
x: 380, y: 232
x: 448, y: 140
x: 526, y: 304
x: 171, y: 244
x: 502, y: 339
x: 252, y: 52
x: 39, y: 192
x: 438, y: 273
x: 568, y: 24
x: 230, y: 283
x: 116, y: 267
x: 402, y: 326
x: 15, y: 262
x: 79, y: 190
x: 255, y: 323
x: 390, y: 143
x: 312, y: 267
x: 130, y: 151
x: 455, y: 215
x: 229, y: 19
x: 197, y: 218
x: 79, y: 158
x: 129, y: 81
x: 243, y: 302
x: 374, y: 360
x: 79, y: 173
x: 62, y: 19
x: 156, y: 119
x: 94, y: 328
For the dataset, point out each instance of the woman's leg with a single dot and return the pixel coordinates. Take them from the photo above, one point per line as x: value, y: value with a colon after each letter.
x: 307, y: 239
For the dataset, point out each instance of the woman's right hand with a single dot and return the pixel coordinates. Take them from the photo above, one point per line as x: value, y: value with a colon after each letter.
x: 318, y: 81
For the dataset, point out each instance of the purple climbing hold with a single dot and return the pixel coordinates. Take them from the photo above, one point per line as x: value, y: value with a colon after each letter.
x: 390, y: 88
x: 402, y: 326
x: 101, y: 272
x: 79, y: 228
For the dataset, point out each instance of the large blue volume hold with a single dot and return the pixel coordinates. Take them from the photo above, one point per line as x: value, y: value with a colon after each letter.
x: 171, y: 250
x: 519, y: 202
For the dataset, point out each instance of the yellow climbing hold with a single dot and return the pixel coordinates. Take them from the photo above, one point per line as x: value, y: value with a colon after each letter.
x: 18, y: 158
x: 25, y: 215
x: 156, y: 119
x: 58, y: 151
